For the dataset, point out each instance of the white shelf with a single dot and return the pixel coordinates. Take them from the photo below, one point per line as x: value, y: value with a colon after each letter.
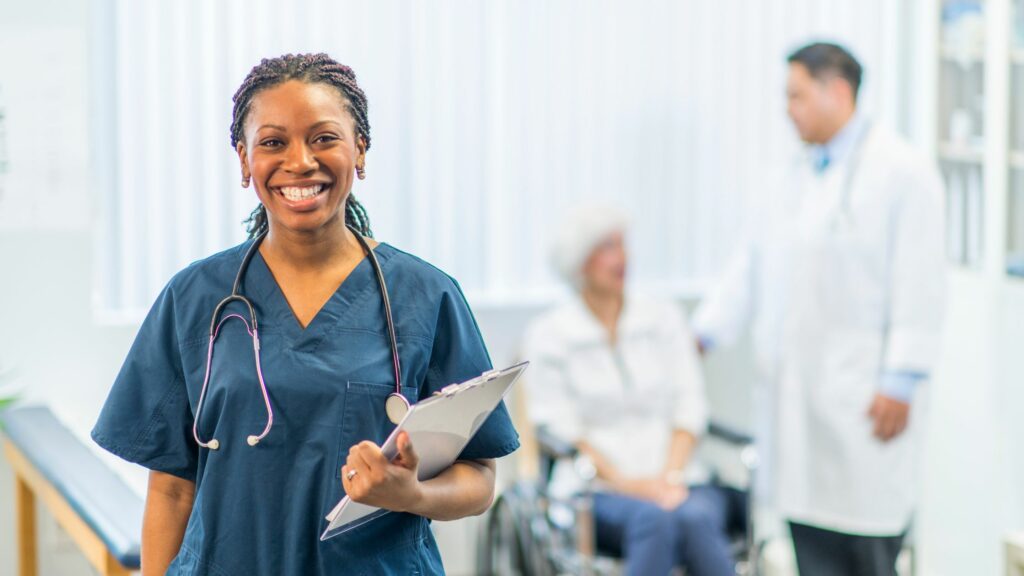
x: 961, y: 153
x: 950, y: 53
x: 1016, y: 159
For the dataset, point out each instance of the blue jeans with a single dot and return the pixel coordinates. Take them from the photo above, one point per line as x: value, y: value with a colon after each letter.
x: 652, y: 541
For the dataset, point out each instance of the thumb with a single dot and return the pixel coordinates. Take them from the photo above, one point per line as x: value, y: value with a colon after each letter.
x: 407, y: 457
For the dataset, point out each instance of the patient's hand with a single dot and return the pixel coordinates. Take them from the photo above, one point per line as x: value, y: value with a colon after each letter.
x: 665, y: 494
x: 890, y: 416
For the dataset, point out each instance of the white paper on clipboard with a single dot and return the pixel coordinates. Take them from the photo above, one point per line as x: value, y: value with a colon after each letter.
x: 439, y: 427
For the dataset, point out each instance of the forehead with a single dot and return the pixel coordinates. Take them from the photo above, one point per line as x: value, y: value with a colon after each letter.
x: 295, y: 103
x: 799, y: 73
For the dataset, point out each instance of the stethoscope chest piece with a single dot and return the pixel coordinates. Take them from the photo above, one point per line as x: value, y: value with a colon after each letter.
x: 396, y: 407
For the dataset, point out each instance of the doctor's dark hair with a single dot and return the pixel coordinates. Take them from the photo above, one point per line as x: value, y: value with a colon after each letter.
x: 309, y: 68
x: 823, y: 59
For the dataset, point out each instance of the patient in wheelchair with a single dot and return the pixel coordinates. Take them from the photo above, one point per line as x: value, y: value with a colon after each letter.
x: 618, y: 376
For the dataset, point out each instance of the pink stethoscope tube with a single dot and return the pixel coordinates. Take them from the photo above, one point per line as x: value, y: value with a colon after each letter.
x: 213, y: 443
x: 396, y: 406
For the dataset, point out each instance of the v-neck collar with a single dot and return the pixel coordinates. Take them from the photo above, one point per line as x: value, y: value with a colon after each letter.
x: 341, y: 305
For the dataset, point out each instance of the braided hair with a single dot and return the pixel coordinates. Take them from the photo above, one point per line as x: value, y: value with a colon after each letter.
x: 309, y: 68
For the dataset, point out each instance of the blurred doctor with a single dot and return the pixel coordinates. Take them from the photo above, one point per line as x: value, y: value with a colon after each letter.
x: 840, y: 273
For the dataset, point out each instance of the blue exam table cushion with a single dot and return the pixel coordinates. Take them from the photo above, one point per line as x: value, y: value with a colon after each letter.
x: 99, y: 496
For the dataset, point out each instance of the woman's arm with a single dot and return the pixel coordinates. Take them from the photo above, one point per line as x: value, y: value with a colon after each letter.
x: 679, y: 453
x: 466, y: 488
x: 168, y: 506
x: 659, y: 490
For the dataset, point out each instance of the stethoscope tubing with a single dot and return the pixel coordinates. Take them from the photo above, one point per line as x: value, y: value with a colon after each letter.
x: 251, y: 328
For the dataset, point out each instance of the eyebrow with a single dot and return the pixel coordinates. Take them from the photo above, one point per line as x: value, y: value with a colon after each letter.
x: 282, y: 128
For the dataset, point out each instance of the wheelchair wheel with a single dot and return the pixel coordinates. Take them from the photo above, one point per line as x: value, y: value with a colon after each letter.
x: 507, y: 546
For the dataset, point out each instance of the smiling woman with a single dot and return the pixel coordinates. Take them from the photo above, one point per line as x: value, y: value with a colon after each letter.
x: 344, y: 129
x: 248, y: 504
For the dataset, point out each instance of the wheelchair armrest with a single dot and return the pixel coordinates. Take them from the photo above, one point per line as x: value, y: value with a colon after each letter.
x: 553, y: 447
x: 729, y: 434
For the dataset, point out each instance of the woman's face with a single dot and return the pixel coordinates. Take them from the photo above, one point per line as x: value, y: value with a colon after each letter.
x: 301, y: 151
x: 605, y: 268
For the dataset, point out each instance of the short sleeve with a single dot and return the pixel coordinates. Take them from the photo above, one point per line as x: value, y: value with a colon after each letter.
x: 146, y: 418
x: 459, y: 354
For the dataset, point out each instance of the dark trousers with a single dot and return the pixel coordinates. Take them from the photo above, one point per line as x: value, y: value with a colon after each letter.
x: 652, y: 541
x: 821, y: 552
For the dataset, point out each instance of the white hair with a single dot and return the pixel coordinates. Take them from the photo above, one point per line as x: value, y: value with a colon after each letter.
x: 581, y: 231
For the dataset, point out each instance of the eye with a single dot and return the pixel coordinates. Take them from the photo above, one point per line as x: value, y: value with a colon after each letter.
x: 270, y: 143
x: 325, y: 139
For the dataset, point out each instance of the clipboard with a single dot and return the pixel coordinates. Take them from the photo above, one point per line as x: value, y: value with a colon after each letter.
x: 439, y: 427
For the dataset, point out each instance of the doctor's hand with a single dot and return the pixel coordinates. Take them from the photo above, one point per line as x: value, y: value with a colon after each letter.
x: 369, y: 478
x: 890, y: 416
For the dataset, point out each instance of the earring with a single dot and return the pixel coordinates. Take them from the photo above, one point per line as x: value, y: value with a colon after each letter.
x: 361, y: 172
x: 245, y: 181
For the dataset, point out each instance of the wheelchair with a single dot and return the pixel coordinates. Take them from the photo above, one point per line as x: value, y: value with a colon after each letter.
x: 531, y: 532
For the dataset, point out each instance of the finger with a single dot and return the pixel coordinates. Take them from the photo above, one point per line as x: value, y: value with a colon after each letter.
x: 884, y: 428
x: 901, y: 423
x: 407, y: 457
x: 371, y: 455
x: 879, y: 428
x: 358, y: 459
x: 348, y: 483
x: 891, y: 424
x: 874, y: 409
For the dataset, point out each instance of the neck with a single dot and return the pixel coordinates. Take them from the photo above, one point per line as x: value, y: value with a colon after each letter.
x: 606, y: 307
x: 842, y: 119
x: 312, y: 251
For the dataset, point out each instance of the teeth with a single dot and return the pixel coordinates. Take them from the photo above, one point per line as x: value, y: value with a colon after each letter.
x: 296, y: 193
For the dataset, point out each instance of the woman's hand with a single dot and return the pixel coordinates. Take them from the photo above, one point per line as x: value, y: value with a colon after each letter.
x: 665, y: 494
x: 369, y: 478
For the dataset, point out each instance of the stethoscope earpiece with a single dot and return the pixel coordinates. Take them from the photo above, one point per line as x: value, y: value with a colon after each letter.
x: 213, y: 444
x: 253, y: 440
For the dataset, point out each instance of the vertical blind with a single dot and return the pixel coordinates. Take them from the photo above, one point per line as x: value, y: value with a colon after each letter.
x: 489, y: 121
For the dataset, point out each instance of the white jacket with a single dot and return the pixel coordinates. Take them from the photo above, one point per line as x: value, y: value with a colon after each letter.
x: 836, y: 297
x: 624, y: 401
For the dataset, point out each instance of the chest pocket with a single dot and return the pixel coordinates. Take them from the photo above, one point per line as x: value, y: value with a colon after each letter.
x: 364, y: 417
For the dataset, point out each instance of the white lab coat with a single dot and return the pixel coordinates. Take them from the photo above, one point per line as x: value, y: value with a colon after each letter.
x: 836, y: 297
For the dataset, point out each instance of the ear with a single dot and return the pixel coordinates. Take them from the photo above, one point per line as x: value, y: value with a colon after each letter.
x: 840, y: 89
x: 361, y: 152
x: 360, y: 156
x: 243, y: 160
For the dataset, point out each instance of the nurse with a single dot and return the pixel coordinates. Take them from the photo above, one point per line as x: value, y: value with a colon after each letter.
x: 314, y: 398
x: 841, y: 276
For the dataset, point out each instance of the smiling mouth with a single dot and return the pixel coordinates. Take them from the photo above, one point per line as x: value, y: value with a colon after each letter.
x: 295, y: 193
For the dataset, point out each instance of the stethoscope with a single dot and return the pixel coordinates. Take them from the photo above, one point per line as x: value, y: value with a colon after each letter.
x: 842, y: 217
x: 396, y: 405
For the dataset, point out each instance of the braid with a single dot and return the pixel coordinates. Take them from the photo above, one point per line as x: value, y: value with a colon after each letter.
x: 310, y: 68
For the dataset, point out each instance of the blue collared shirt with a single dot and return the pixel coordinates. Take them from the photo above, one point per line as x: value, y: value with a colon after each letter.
x: 841, y: 146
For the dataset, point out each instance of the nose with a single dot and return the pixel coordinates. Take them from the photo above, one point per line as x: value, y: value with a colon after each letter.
x: 300, y: 159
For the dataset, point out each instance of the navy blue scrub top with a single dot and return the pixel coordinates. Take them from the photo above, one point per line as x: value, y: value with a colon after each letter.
x: 260, y: 510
